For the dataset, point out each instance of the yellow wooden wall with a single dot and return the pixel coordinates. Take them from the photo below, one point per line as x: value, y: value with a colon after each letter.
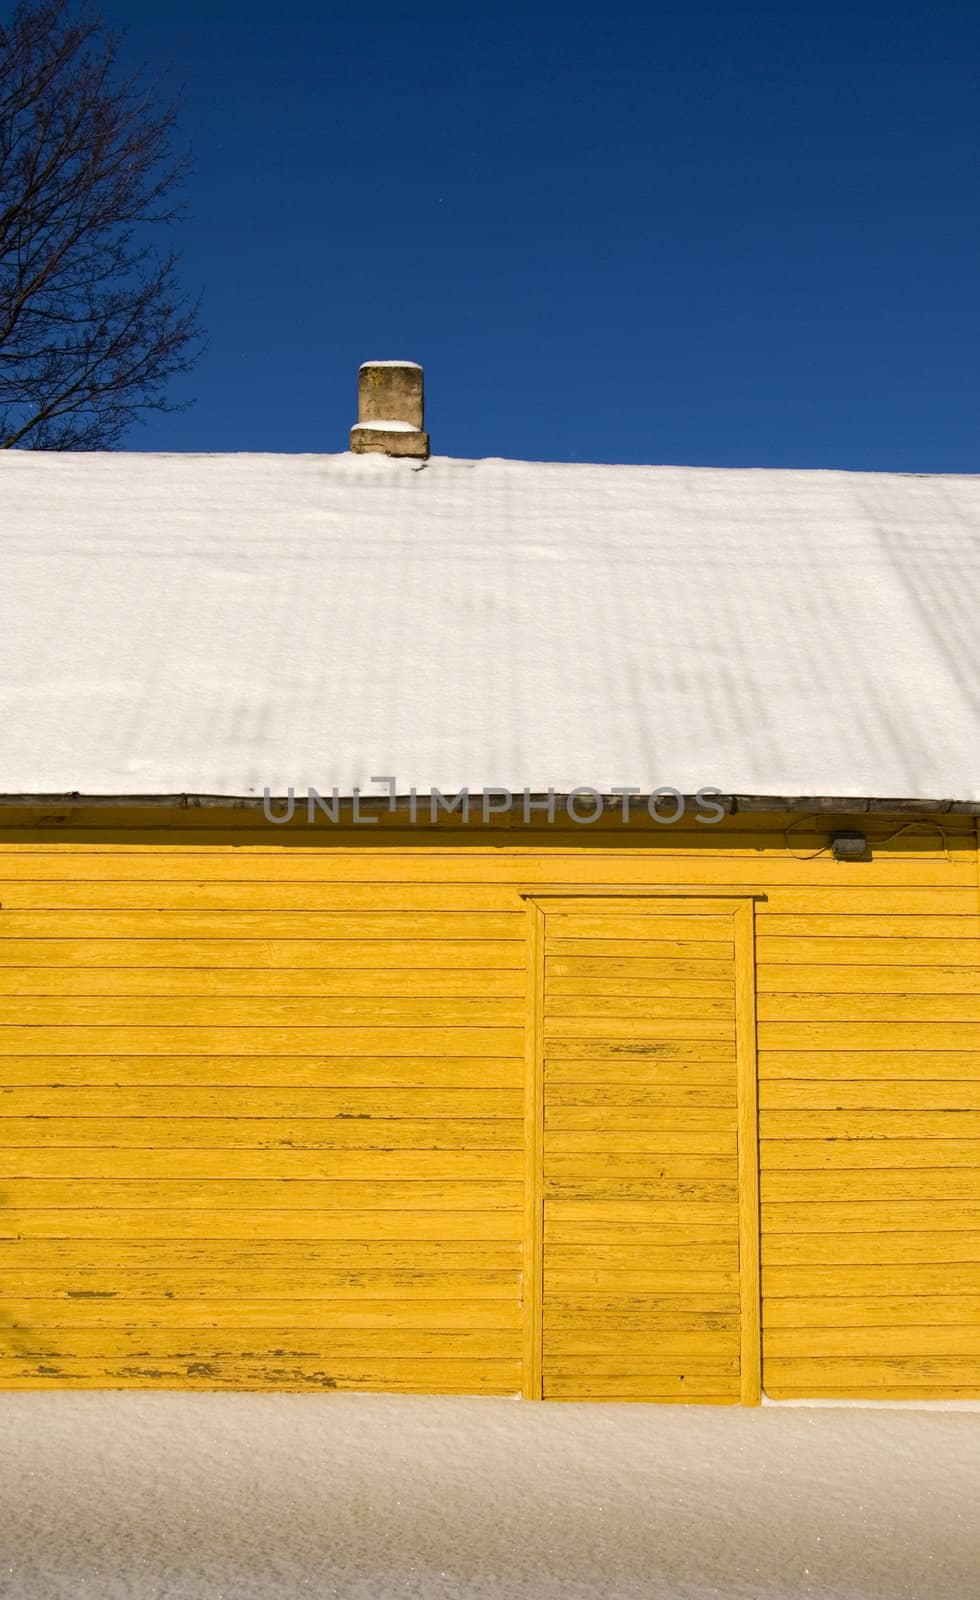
x: 262, y: 1095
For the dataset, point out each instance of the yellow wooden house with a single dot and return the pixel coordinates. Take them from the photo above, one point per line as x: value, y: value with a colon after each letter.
x: 488, y: 927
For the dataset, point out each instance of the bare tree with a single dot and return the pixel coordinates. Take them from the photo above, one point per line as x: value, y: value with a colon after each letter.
x: 93, y: 323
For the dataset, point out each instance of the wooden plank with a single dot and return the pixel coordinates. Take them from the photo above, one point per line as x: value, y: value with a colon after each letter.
x: 704, y: 1391
x: 345, y: 1132
x: 388, y: 1375
x: 861, y: 978
x: 247, y: 852
x: 685, y: 1119
x: 631, y: 1248
x: 624, y: 1346
x: 305, y: 1072
x: 637, y: 1039
x: 784, y: 904
x: 869, y: 1124
x: 291, y: 958
x: 245, y: 1011
x: 639, y: 1141
x: 858, y: 922
x: 247, y: 1224
x: 655, y: 1281
x: 567, y: 1331
x: 617, y: 863
x: 637, y: 1072
x: 645, y: 1097
x: 869, y: 1216
x: 873, y: 1372
x: 236, y: 1344
x: 242, y: 843
x: 711, y: 873
x: 881, y: 1341
x: 640, y: 1311
x: 574, y: 952
x: 610, y: 930
x: 252, y: 982
x: 805, y: 953
x: 919, y: 952
x: 867, y: 1036
x: 641, y: 1240
x: 259, y: 1102
x: 868, y: 1064
x: 590, y: 1188
x: 324, y: 1290
x: 626, y: 975
x: 810, y: 1249
x: 265, y: 895
x: 280, y: 1166
x: 834, y: 1155
x: 341, y: 1260
x: 925, y: 1183
x: 632, y: 898
x: 850, y: 1008
x: 31, y: 1315
x: 585, y: 1367
x: 870, y: 1094
x: 878, y: 1312
x: 264, y: 925
x: 748, y: 1157
x: 873, y: 1280
x: 592, y: 924
x: 650, y: 1046
x: 533, y: 1284
x: 909, y: 1392
x: 379, y: 1039
x: 335, y: 1264
x: 651, y: 1050
x: 247, y: 1194
x: 638, y: 1008
x: 648, y: 1165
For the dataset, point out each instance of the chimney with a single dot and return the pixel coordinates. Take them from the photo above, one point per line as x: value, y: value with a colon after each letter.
x: 389, y: 410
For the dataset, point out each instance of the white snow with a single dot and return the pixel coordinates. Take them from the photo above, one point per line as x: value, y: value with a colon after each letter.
x: 217, y: 624
x: 364, y: 1497
x: 391, y: 426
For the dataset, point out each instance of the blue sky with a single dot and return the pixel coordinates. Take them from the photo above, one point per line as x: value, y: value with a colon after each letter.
x: 711, y: 234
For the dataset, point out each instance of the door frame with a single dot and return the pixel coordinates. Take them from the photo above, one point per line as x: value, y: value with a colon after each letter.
x: 540, y: 899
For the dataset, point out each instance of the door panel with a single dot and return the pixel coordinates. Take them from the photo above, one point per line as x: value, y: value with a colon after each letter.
x: 648, y: 1179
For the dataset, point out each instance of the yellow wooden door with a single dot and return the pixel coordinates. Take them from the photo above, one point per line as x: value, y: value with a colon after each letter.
x: 648, y: 1165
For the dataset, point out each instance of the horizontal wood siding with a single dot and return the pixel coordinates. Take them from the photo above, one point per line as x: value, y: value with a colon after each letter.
x: 260, y: 1133
x: 869, y: 1096
x: 262, y: 1101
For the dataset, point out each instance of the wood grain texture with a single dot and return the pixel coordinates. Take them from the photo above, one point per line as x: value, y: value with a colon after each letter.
x: 628, y: 1221
x: 242, y: 1116
x: 533, y: 1278
x: 292, y: 1072
x: 746, y: 1001
x: 405, y: 1375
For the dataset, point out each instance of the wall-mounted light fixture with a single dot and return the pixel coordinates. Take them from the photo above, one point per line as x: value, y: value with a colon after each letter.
x: 849, y: 845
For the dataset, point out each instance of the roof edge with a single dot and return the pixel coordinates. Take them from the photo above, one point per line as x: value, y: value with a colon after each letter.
x: 731, y: 803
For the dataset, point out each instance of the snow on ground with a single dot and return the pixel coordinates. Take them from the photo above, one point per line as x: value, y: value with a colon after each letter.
x: 274, y: 1497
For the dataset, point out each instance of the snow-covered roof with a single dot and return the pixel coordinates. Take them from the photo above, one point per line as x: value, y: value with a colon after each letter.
x: 216, y: 624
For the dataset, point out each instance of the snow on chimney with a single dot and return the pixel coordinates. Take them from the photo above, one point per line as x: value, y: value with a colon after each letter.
x: 389, y: 409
